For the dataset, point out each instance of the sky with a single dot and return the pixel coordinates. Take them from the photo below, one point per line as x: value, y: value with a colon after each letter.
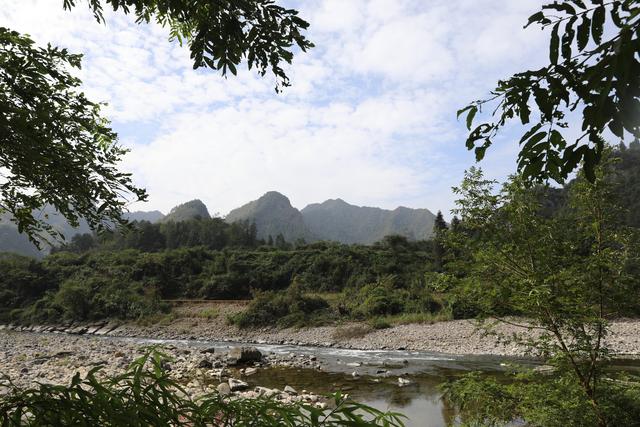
x: 370, y: 117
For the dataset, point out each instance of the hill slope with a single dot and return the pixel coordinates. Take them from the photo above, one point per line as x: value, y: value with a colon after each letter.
x: 338, y: 220
x: 273, y: 215
x: 193, y: 209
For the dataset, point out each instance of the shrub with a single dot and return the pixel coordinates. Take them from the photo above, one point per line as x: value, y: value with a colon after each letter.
x: 379, y: 323
x: 289, y: 308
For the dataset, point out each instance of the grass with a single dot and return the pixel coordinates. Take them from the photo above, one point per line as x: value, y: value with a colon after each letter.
x: 209, y: 313
x: 350, y: 332
x: 162, y: 319
x: 408, y: 318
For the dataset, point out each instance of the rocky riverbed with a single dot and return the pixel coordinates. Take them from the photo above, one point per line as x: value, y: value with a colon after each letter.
x: 28, y: 358
x: 460, y: 337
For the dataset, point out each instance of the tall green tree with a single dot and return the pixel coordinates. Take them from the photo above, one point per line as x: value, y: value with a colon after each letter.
x: 439, y: 234
x: 593, y: 74
x: 568, y: 275
x: 56, y: 148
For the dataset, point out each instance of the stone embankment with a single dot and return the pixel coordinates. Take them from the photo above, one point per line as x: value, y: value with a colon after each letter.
x: 461, y: 337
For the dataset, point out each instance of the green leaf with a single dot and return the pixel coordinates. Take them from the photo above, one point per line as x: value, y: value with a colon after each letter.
x: 462, y: 110
x: 472, y: 113
x: 536, y: 17
x: 554, y: 44
x: 567, y: 39
x: 597, y: 26
x: 530, y: 132
x: 583, y: 33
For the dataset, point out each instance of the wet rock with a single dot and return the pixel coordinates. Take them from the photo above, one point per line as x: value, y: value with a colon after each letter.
x: 244, y: 355
x: 250, y: 371
x: 404, y: 382
x: 205, y: 364
x: 290, y: 390
x: 237, y: 385
x: 267, y: 392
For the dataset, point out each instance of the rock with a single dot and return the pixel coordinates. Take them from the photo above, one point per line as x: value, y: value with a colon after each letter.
x: 267, y: 392
x: 237, y: 385
x: 354, y: 364
x: 250, y: 371
x: 404, y: 381
x: 290, y: 390
x: 205, y: 364
x: 544, y: 369
x: 244, y: 355
x: 223, y: 389
x: 209, y: 350
x: 165, y: 365
x: 355, y: 374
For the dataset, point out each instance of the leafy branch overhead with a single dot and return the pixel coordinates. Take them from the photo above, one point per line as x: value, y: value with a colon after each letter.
x: 55, y: 147
x: 593, y: 70
x: 222, y: 33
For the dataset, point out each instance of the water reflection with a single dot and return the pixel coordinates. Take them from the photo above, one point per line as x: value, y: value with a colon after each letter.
x: 420, y: 401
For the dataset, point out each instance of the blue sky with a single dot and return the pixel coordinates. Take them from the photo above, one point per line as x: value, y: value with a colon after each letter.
x: 370, y: 117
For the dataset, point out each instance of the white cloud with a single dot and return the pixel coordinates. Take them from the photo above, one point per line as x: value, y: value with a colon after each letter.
x: 370, y: 118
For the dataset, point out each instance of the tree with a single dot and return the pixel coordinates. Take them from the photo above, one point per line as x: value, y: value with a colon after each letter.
x: 588, y: 73
x: 568, y: 275
x: 439, y: 231
x: 55, y: 146
x: 222, y: 33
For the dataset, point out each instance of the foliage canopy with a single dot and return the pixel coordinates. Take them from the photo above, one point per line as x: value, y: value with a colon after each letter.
x: 593, y: 70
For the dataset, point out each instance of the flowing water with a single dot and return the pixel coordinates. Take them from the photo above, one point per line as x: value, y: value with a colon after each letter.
x: 371, y: 377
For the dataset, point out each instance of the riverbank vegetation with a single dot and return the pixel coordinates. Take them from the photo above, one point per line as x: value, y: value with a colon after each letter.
x: 137, y: 274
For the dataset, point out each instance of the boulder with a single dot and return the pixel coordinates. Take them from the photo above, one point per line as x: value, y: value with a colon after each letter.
x: 250, y: 371
x: 223, y: 389
x: 210, y: 350
x: 244, y: 355
x: 290, y: 390
x: 237, y: 385
x: 205, y: 364
x: 267, y: 392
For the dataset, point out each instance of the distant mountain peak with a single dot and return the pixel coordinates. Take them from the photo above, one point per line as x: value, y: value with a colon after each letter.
x: 272, y: 214
x: 335, y: 219
x: 193, y: 209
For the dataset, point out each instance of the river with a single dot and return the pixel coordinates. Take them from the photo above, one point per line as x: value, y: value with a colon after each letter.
x: 370, y: 377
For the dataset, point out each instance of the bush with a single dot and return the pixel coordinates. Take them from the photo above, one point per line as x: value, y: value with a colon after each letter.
x: 380, y: 323
x: 289, y: 308
x: 386, y: 297
x: 528, y: 398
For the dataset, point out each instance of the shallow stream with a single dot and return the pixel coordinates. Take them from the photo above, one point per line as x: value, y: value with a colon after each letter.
x: 370, y: 377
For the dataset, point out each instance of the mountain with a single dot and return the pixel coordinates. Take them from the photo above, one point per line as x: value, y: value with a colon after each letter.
x: 193, y: 209
x: 12, y: 241
x: 151, y: 216
x: 273, y: 215
x: 337, y: 220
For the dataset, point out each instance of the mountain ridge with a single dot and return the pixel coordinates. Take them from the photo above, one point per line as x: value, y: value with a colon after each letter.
x: 273, y: 214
